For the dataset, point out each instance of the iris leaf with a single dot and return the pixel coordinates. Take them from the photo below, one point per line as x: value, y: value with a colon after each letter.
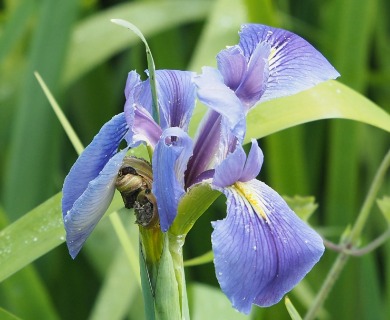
x: 291, y: 310
x: 34, y: 234
x: 328, y: 100
x: 87, y: 50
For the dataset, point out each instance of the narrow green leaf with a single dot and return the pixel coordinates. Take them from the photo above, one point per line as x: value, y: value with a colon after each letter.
x: 33, y: 118
x: 146, y: 288
x: 60, y: 115
x: 5, y: 315
x: 151, y: 66
x: 384, y: 206
x: 204, y: 258
x: 328, y: 100
x: 35, y: 234
x: 87, y: 50
x: 291, y: 310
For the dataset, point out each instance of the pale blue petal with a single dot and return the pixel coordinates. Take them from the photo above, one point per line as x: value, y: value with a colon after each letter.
x: 213, y: 92
x: 246, y: 76
x: 90, y: 207
x: 261, y: 249
x: 133, y: 79
x: 294, y: 64
x: 169, y: 163
x: 92, y: 160
x: 253, y: 163
x: 230, y: 170
x: 238, y: 167
x: 232, y: 65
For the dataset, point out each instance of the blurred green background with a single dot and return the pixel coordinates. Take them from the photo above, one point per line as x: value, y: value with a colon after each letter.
x: 84, y: 59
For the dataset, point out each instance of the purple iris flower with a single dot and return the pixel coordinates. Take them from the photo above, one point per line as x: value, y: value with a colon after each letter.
x: 261, y: 249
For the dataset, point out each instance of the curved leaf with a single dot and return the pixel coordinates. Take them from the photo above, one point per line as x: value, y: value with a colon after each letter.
x: 96, y: 39
x: 328, y: 100
x: 34, y: 234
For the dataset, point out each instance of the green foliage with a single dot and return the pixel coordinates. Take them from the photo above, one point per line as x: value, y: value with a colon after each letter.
x: 84, y: 59
x: 384, y: 206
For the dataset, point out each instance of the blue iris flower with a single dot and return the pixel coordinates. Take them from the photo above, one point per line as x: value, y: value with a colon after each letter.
x: 261, y: 249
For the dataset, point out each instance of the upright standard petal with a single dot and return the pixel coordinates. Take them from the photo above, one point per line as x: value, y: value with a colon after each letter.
x: 213, y: 92
x: 92, y: 160
x: 238, y: 167
x: 253, y: 77
x: 170, y: 160
x: 294, y: 64
x: 90, y: 207
x: 261, y: 249
x: 176, y: 96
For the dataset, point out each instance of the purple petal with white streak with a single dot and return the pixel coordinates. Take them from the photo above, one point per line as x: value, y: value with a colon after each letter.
x: 213, y: 92
x: 294, y: 64
x: 176, y: 96
x: 93, y: 159
x: 90, y: 207
x: 170, y: 159
x: 238, y: 167
x: 261, y: 249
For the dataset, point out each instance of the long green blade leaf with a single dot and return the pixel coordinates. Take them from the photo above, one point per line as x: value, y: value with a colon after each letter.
x: 35, y: 234
x: 87, y: 50
x: 328, y: 100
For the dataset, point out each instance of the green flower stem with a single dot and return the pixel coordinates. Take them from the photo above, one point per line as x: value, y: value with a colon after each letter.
x: 350, y: 240
x: 176, y: 249
x: 164, y: 285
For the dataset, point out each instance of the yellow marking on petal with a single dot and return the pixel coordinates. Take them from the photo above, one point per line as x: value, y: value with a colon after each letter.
x: 271, y: 54
x: 252, y: 198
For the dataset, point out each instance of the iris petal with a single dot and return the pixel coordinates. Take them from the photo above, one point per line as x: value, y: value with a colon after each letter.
x: 213, y: 92
x: 238, y: 167
x: 92, y: 160
x: 261, y: 249
x: 230, y: 170
x: 170, y: 160
x: 232, y: 64
x: 246, y: 76
x: 294, y: 64
x: 176, y: 94
x: 253, y: 163
x: 90, y: 207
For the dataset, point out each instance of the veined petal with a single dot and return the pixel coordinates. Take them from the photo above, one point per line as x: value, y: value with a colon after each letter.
x: 92, y: 160
x: 238, y: 167
x: 137, y: 111
x: 294, y: 64
x: 133, y: 79
x: 230, y: 170
x: 90, y: 207
x: 246, y: 76
x: 176, y: 95
x: 170, y: 160
x: 213, y: 92
x: 232, y: 65
x: 253, y: 163
x: 144, y: 127
x: 261, y: 249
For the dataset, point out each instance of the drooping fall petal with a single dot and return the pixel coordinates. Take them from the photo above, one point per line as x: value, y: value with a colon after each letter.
x: 261, y: 249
